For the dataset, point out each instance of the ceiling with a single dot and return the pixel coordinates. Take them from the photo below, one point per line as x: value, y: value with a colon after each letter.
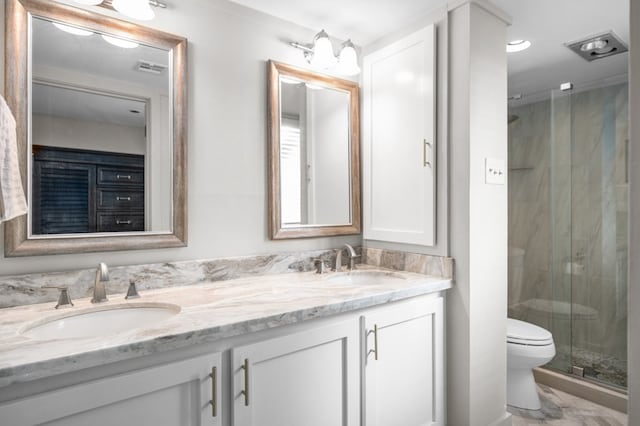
x: 548, y: 24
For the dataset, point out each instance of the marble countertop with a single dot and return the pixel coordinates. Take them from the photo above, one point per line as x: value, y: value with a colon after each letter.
x: 208, y: 312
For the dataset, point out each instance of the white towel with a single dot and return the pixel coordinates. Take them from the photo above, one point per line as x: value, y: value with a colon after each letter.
x: 12, y: 200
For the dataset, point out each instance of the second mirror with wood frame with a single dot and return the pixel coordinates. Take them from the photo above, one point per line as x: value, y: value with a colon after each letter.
x: 314, y: 154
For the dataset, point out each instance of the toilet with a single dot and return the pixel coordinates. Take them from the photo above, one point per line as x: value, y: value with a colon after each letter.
x: 528, y: 347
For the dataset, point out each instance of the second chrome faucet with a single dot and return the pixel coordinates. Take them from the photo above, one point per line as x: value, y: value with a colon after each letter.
x: 99, y: 290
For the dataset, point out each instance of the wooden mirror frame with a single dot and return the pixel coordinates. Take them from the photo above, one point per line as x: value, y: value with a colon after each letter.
x: 276, y: 230
x: 16, y: 238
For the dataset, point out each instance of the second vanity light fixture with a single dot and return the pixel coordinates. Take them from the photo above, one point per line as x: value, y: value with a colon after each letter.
x: 320, y: 54
x: 136, y: 9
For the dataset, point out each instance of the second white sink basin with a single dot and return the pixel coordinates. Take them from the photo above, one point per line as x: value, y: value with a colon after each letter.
x: 365, y: 277
x: 101, y: 321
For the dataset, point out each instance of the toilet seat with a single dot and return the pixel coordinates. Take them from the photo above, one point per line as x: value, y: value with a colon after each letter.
x: 524, y: 333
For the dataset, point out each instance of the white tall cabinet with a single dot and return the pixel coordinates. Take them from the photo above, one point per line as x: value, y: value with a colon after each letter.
x: 399, y: 152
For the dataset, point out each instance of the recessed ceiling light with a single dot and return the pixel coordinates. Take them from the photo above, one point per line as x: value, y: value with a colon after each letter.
x: 72, y: 30
x: 518, y: 45
x: 126, y: 44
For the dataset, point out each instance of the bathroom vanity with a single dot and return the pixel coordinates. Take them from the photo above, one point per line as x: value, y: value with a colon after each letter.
x: 364, y: 347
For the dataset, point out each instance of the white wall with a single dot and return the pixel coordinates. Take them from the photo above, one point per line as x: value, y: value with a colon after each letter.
x: 634, y: 225
x: 228, y: 49
x: 477, y: 304
x: 83, y: 134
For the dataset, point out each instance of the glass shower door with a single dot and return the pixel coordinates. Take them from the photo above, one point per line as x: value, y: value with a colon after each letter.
x: 589, y: 250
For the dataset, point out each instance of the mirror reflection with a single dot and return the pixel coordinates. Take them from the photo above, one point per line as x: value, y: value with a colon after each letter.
x: 100, y: 133
x: 314, y: 154
x: 314, y: 147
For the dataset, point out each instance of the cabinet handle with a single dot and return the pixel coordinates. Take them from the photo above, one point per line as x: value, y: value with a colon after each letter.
x: 123, y: 198
x: 375, y: 341
x: 245, y: 392
x: 128, y: 177
x: 425, y: 144
x: 123, y: 222
x: 214, y: 391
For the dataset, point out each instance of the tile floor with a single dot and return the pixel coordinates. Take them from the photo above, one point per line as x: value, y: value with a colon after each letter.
x: 561, y: 409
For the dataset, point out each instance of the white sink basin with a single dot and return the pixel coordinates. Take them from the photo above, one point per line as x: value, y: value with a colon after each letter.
x: 100, y: 321
x: 365, y: 277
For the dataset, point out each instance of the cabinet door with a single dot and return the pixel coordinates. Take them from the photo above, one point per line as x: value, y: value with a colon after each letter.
x: 403, y: 364
x: 179, y: 393
x: 63, y: 200
x: 399, y: 141
x: 303, y: 379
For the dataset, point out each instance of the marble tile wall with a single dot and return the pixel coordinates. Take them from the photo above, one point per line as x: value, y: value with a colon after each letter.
x: 568, y: 224
x: 28, y: 289
x: 410, y: 262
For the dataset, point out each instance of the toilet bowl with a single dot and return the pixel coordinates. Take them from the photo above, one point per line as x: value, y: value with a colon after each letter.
x: 528, y: 347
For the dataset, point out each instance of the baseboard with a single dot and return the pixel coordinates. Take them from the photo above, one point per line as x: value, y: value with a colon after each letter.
x: 616, y: 400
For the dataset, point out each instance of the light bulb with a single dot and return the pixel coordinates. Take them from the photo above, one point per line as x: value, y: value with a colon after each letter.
x: 136, y: 9
x: 348, y: 60
x: 89, y: 2
x: 72, y: 30
x: 323, y: 56
x: 126, y: 44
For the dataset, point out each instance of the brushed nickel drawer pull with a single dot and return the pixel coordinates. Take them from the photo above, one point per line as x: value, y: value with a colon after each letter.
x: 123, y: 222
x: 375, y: 341
x: 424, y: 153
x: 123, y: 198
x: 128, y: 177
x: 245, y: 392
x: 214, y: 391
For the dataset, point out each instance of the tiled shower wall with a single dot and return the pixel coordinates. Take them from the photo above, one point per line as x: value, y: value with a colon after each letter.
x: 568, y: 225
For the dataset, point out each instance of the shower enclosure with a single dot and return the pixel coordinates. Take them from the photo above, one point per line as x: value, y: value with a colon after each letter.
x: 568, y: 216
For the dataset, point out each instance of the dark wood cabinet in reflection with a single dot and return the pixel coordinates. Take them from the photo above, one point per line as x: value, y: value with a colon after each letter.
x: 82, y: 191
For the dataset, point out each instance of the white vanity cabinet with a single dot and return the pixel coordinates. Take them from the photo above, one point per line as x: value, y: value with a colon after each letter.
x: 302, y: 379
x: 398, y: 132
x: 403, y: 372
x: 175, y: 394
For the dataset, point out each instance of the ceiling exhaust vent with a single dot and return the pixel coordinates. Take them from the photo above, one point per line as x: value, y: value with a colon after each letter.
x: 146, y: 66
x: 598, y: 46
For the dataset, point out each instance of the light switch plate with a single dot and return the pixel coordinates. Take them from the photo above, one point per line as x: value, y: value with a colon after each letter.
x: 494, y: 171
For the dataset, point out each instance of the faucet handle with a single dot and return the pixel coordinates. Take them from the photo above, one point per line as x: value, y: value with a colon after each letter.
x: 321, y: 266
x: 64, y: 298
x: 132, y: 292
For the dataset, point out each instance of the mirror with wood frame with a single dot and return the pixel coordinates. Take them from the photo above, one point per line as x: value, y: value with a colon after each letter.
x: 314, y: 154
x: 100, y: 108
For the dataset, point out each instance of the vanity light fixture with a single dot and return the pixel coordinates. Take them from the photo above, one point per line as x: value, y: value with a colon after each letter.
x: 518, y: 45
x: 125, y: 44
x: 136, y: 9
x: 320, y: 54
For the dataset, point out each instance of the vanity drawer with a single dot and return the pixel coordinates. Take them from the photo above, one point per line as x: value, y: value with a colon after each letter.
x: 120, y: 222
x: 120, y: 176
x: 120, y: 199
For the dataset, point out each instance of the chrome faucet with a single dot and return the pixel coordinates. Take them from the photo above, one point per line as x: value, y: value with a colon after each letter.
x: 99, y: 291
x: 352, y: 257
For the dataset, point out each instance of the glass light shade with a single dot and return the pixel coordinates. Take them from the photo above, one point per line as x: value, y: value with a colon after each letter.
x: 323, y: 56
x: 348, y: 60
x: 136, y: 9
x: 518, y: 45
x: 126, y: 44
x: 89, y: 2
x: 72, y: 30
